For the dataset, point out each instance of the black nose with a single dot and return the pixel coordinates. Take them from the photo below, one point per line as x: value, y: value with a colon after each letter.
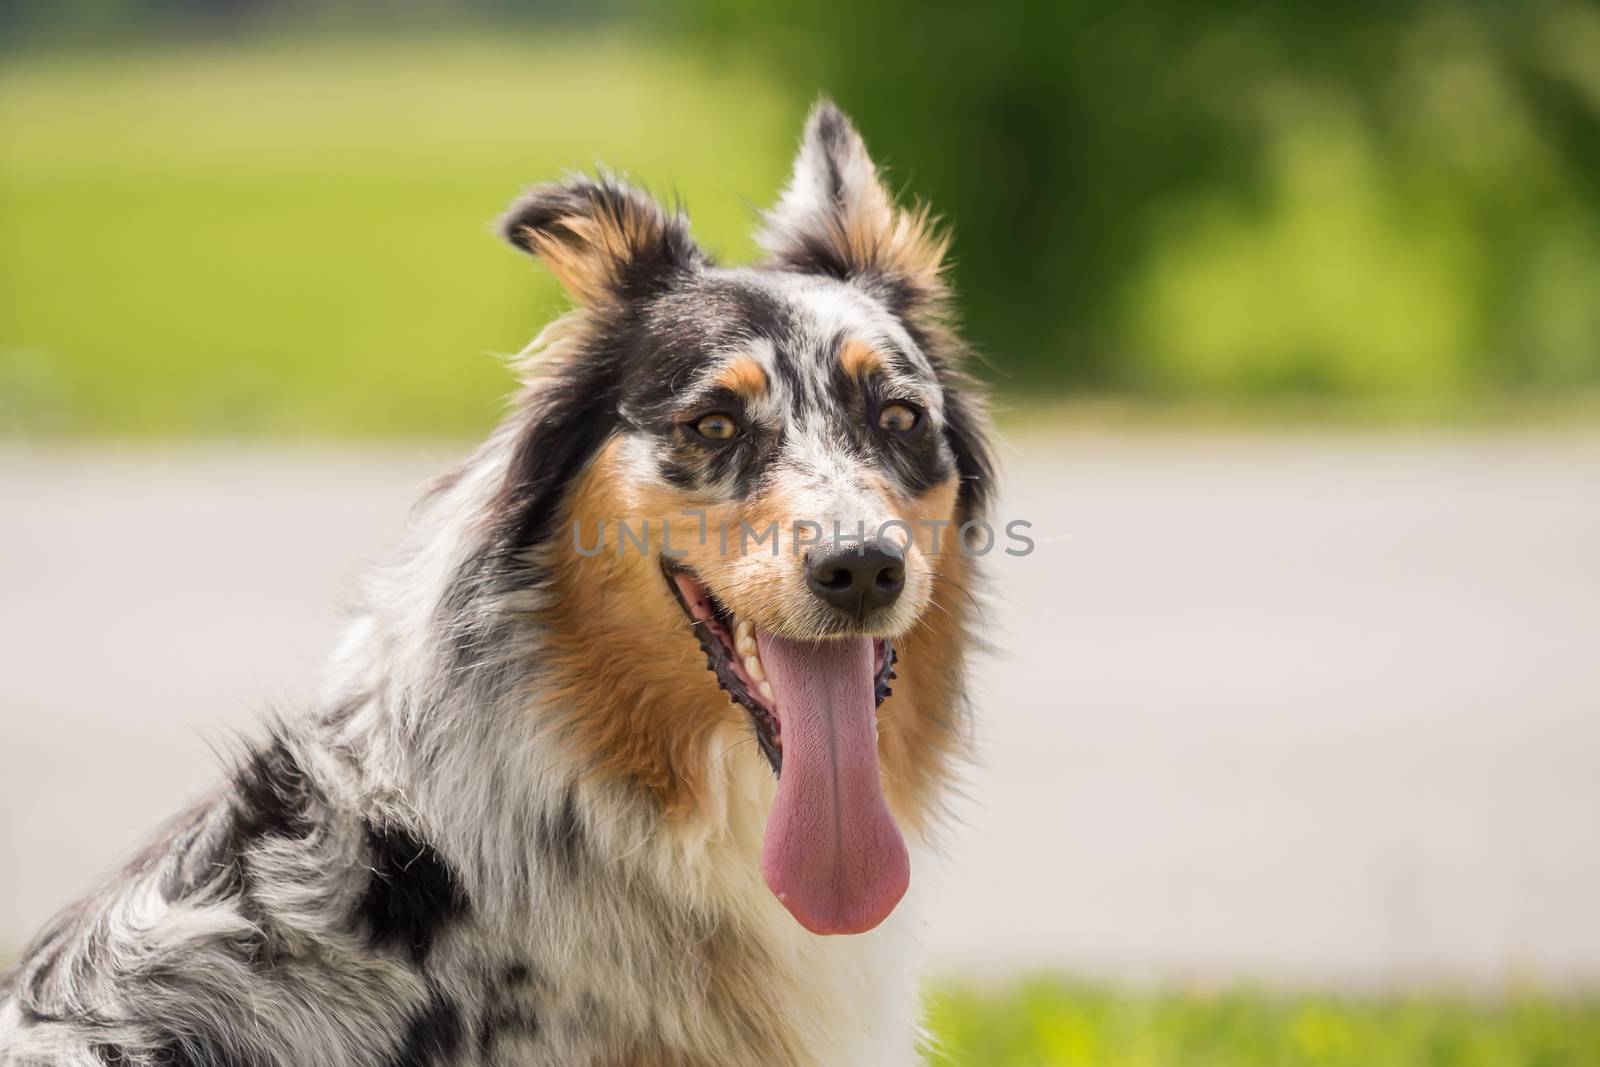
x: 860, y: 578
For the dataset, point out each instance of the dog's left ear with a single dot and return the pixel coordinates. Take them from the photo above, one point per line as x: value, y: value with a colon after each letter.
x: 835, y: 217
x: 603, y: 238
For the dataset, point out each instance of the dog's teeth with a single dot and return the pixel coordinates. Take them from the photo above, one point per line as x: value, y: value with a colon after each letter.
x: 752, y: 664
x: 746, y: 645
x: 766, y: 690
x: 743, y: 630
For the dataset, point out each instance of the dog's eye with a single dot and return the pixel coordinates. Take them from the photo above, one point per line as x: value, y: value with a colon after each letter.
x: 897, y: 418
x: 716, y: 427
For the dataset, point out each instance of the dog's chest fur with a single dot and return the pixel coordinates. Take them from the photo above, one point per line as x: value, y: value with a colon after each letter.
x: 691, y: 963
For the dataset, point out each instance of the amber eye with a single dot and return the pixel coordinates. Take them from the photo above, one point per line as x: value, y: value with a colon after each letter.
x: 897, y: 418
x: 716, y: 427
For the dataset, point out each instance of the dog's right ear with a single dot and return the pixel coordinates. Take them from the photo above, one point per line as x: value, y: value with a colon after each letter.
x: 603, y: 238
x: 836, y: 217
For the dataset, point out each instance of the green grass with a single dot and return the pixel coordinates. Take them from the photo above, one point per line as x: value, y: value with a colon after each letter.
x: 292, y: 237
x: 1049, y: 1022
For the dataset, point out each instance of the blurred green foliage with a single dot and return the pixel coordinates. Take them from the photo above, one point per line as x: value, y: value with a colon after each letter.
x: 1049, y: 1023
x: 242, y: 216
x: 1238, y: 197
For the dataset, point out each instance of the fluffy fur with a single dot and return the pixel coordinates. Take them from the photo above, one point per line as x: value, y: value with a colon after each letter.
x: 523, y: 824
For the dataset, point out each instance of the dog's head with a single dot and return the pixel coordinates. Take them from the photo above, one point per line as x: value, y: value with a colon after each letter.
x: 774, y: 461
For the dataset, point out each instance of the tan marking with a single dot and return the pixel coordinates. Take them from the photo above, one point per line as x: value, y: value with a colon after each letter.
x: 858, y: 359
x: 744, y: 376
x: 923, y: 513
x: 922, y: 725
x: 872, y: 234
x: 631, y: 710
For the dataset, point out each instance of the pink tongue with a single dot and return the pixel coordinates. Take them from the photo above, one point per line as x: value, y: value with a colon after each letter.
x: 832, y: 854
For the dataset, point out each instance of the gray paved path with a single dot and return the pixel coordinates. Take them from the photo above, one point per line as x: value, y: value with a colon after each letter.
x: 1320, y: 710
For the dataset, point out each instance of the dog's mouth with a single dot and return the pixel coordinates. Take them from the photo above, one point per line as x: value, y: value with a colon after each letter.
x: 733, y: 654
x: 832, y: 853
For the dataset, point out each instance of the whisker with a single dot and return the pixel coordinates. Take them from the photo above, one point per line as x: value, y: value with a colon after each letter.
x: 736, y: 745
x: 977, y: 605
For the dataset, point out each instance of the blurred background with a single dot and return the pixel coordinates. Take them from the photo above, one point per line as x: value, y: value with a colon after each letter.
x: 1289, y: 748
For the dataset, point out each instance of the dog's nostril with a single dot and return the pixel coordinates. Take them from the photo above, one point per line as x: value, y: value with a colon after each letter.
x: 840, y: 579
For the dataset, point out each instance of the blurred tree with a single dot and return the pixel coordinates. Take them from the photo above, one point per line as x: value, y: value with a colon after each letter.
x: 1236, y: 196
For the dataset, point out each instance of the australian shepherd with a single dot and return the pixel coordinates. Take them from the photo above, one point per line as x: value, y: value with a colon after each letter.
x: 665, y: 686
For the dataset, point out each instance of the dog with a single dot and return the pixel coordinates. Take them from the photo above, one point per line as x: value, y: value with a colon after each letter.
x: 665, y: 687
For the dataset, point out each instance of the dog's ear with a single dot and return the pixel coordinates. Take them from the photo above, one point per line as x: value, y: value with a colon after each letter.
x: 835, y: 217
x: 603, y: 238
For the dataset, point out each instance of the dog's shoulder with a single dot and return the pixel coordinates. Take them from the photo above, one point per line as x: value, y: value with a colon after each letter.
x: 225, y: 940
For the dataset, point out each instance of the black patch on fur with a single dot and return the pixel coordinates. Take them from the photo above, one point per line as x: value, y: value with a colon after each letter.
x: 500, y: 1022
x: 833, y: 135
x: 412, y: 895
x: 812, y: 253
x: 112, y: 1055
x: 271, y: 796
x: 964, y: 431
x: 576, y: 417
x: 963, y: 427
x: 433, y: 1036
x: 749, y: 311
x: 555, y: 437
x: 561, y: 836
x: 509, y: 1009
